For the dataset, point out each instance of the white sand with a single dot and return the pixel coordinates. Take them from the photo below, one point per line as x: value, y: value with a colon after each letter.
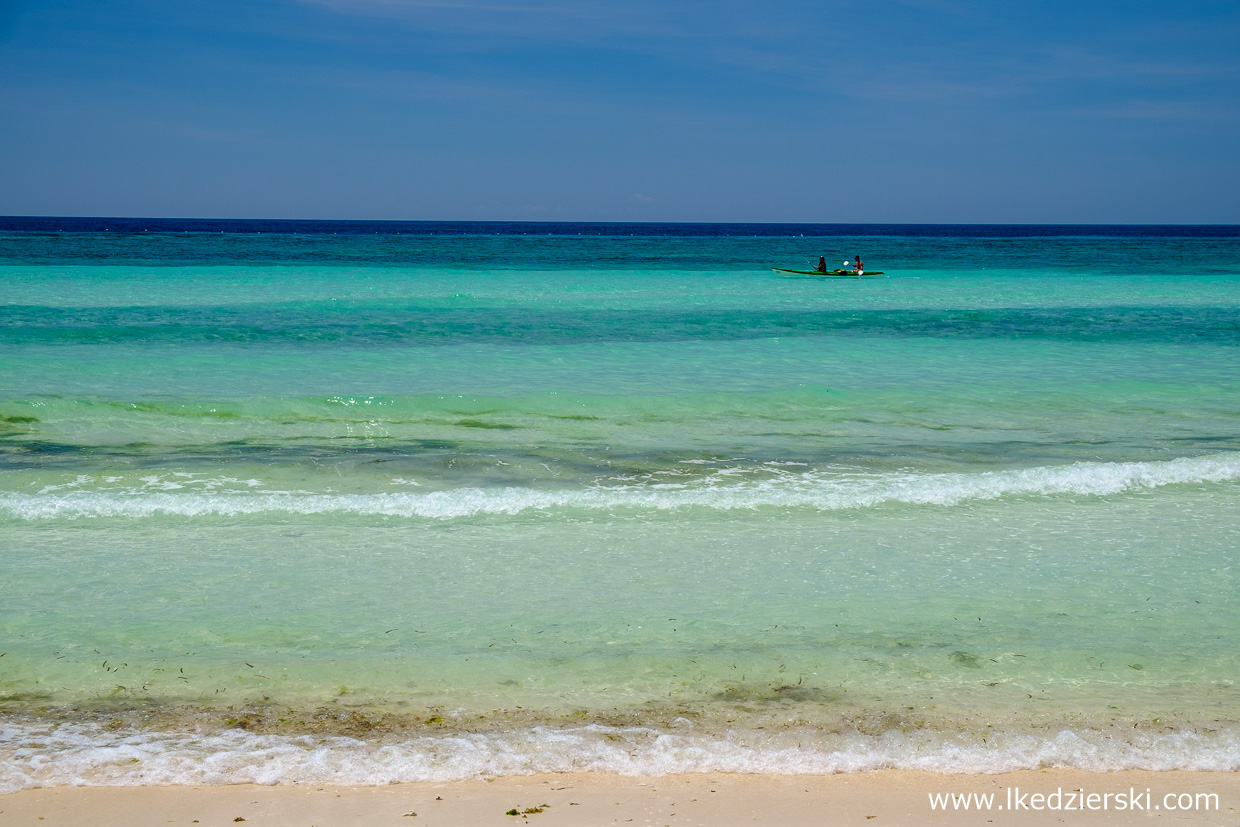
x: 717, y: 800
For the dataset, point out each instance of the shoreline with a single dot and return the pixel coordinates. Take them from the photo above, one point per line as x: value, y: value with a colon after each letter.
x: 876, y: 797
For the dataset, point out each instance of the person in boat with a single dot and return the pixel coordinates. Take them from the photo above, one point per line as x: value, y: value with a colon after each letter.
x: 857, y: 268
x: 822, y: 265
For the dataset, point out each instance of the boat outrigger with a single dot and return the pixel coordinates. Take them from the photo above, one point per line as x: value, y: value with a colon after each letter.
x: 848, y: 274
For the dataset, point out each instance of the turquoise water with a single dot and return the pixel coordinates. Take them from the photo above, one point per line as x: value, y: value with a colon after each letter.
x: 361, y: 508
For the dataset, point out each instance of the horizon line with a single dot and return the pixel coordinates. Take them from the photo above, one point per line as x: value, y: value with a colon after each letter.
x: 618, y: 221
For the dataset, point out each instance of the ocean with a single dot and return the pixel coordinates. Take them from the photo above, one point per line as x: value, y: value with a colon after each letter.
x: 366, y: 502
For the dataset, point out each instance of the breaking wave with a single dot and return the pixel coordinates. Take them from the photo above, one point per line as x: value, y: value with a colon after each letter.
x: 819, y: 490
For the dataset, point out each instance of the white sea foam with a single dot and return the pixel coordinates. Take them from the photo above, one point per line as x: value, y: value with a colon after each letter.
x: 822, y: 490
x: 49, y: 755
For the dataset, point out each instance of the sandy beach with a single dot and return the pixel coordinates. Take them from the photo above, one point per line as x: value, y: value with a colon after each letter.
x: 721, y: 800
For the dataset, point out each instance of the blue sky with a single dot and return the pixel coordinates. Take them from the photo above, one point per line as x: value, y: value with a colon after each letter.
x: 773, y: 110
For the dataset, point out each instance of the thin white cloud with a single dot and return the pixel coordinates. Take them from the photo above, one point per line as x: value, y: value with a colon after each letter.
x: 827, y: 49
x: 634, y: 22
x: 1195, y: 111
x: 917, y: 78
x: 507, y: 18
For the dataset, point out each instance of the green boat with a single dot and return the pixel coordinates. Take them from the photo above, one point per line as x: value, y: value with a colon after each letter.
x: 848, y: 274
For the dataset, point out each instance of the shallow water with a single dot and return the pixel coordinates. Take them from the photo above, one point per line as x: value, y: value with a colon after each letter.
x: 377, y: 507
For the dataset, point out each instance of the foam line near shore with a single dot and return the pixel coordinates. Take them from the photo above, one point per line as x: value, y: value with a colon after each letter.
x: 36, y: 755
